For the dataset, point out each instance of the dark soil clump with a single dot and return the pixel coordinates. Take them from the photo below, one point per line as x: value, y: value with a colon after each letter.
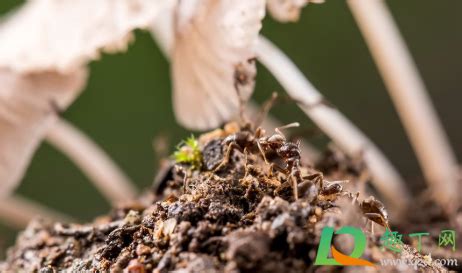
x: 240, y: 217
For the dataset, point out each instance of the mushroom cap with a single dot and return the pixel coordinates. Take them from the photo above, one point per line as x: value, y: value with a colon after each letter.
x: 62, y: 35
x: 288, y: 10
x: 212, y: 59
x: 45, y: 46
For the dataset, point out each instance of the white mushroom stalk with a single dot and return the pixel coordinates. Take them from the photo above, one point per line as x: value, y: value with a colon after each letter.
x: 17, y: 212
x: 385, y: 178
x: 93, y: 162
x: 29, y: 104
x: 409, y: 95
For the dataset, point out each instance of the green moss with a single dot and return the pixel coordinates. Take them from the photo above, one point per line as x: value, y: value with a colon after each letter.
x: 188, y: 152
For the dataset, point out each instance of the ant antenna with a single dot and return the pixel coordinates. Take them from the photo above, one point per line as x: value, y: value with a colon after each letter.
x: 266, y: 107
x: 290, y: 125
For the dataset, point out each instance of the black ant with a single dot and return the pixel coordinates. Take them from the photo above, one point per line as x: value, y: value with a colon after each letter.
x: 247, y: 141
x: 375, y: 211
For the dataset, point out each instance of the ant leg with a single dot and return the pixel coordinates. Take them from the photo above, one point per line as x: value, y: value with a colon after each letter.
x: 262, y: 152
x: 365, y: 224
x: 317, y: 178
x: 274, y: 166
x: 320, y: 179
x: 294, y: 186
x: 246, y: 156
x: 383, y: 221
x: 226, y: 157
x: 369, y: 225
x: 387, y: 226
x: 355, y: 198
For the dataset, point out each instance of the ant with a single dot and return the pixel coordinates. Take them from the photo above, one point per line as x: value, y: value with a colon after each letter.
x: 247, y: 141
x: 375, y: 211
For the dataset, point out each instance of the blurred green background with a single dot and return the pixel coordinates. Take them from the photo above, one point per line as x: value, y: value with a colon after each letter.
x: 127, y: 102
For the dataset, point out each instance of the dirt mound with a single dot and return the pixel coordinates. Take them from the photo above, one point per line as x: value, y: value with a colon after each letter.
x: 209, y: 214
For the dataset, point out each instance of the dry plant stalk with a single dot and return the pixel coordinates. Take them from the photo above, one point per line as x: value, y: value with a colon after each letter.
x: 385, y: 178
x: 410, y: 97
x: 93, y: 162
x: 17, y: 212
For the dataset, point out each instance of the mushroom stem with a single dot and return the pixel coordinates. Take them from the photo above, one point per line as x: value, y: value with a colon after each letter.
x: 93, y: 162
x: 17, y: 212
x: 410, y: 97
x: 349, y: 138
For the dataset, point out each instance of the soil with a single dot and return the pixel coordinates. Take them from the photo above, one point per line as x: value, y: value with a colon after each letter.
x: 242, y: 217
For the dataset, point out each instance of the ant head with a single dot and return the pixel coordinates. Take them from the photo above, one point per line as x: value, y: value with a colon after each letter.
x: 245, y: 124
x: 289, y: 150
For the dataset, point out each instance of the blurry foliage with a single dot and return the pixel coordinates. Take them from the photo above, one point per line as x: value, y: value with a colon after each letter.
x: 127, y: 102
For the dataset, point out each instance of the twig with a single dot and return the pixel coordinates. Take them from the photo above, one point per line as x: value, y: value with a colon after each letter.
x: 93, y: 161
x: 17, y: 212
x: 410, y: 97
x: 385, y: 178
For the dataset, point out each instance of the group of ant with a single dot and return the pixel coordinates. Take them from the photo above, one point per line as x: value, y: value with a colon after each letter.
x: 276, y: 149
x: 251, y: 139
x: 272, y: 149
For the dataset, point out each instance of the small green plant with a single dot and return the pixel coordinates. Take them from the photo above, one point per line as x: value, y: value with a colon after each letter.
x: 188, y: 152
